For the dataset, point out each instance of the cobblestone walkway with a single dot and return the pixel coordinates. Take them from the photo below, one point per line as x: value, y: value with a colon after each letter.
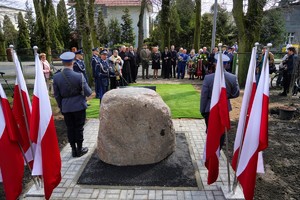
x: 72, y: 168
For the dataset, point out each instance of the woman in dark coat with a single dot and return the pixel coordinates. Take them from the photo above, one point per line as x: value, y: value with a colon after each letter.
x: 155, y: 62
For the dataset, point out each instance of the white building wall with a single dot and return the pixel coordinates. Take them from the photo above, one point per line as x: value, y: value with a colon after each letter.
x: 117, y: 12
x: 12, y: 14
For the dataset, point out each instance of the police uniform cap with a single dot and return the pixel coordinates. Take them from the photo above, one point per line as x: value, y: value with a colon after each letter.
x: 67, y: 56
x: 79, y: 52
x: 104, y: 51
x: 95, y: 49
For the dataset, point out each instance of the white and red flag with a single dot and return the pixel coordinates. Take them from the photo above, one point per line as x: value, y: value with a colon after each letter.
x: 47, y: 161
x: 11, y: 159
x: 22, y: 109
x: 218, y: 121
x: 256, y: 135
x: 249, y: 93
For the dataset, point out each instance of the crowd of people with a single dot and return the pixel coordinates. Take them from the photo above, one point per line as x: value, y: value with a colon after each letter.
x: 119, y: 67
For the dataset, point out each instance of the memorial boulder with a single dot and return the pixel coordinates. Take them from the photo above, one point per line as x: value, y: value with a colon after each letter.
x: 135, y: 127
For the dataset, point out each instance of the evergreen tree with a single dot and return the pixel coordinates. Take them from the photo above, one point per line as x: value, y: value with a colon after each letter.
x: 23, y: 41
x: 2, y: 45
x: 127, y: 32
x: 185, y: 9
x: 175, y: 27
x: 30, y: 24
x: 91, y: 12
x: 10, y: 32
x: 63, y: 24
x: 226, y: 32
x: 42, y: 11
x: 273, y: 27
x: 206, y: 29
x: 165, y: 23
x: 83, y: 27
x: 102, y: 33
x: 115, y: 32
x: 55, y: 34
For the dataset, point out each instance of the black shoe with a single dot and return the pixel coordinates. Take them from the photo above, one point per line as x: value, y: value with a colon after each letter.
x: 283, y: 94
x: 82, y: 151
x: 147, y: 77
x: 74, y: 153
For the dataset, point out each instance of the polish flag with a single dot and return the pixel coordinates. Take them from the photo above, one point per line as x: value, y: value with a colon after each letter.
x: 256, y: 135
x: 218, y: 121
x: 22, y: 114
x: 47, y: 161
x: 249, y: 93
x: 11, y: 159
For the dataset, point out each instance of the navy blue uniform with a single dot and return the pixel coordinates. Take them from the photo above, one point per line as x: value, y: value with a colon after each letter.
x: 80, y: 67
x: 96, y: 64
x: 103, y: 73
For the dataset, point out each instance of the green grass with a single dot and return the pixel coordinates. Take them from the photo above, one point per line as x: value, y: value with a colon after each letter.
x: 183, y: 100
x: 93, y: 110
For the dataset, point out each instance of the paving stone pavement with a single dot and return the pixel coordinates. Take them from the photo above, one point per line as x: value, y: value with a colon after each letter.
x: 72, y: 168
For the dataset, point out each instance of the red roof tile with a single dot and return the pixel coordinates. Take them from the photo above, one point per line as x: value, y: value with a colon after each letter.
x: 118, y: 2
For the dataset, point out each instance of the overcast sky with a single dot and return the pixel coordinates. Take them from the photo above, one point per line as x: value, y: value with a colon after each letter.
x: 206, y: 4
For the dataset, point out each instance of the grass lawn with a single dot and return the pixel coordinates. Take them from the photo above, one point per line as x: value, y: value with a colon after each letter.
x: 183, y: 100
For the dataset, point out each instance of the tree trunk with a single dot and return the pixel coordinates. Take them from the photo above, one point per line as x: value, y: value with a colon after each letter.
x: 141, y: 25
x: 91, y: 12
x: 197, y: 25
x: 84, y: 29
x: 165, y: 18
x: 42, y: 10
x: 249, y: 26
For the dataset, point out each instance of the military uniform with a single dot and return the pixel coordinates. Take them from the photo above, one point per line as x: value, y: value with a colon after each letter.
x: 96, y: 64
x: 70, y: 92
x: 103, y: 72
x: 79, y: 66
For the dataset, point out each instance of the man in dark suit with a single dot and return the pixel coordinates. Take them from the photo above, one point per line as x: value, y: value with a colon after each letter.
x: 173, y: 61
x: 70, y: 92
x: 132, y: 61
x: 166, y: 63
x: 126, y: 65
x: 233, y: 91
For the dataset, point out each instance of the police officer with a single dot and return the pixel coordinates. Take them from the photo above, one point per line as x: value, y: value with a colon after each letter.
x: 103, y: 74
x: 96, y: 64
x: 79, y: 64
x: 70, y: 92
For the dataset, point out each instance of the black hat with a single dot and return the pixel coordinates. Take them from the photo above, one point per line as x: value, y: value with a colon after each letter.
x: 104, y: 51
x: 79, y: 52
x: 95, y: 49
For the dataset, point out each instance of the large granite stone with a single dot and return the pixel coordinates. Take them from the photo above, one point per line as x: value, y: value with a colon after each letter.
x: 135, y: 127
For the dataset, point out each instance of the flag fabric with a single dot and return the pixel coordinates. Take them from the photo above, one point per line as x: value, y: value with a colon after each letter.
x: 22, y: 113
x: 11, y: 159
x: 256, y: 135
x: 249, y: 93
x: 218, y: 121
x: 47, y: 161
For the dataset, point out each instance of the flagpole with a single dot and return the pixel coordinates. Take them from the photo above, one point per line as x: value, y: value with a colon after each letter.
x: 226, y: 133
x: 235, y: 181
x: 26, y: 123
x: 22, y: 103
